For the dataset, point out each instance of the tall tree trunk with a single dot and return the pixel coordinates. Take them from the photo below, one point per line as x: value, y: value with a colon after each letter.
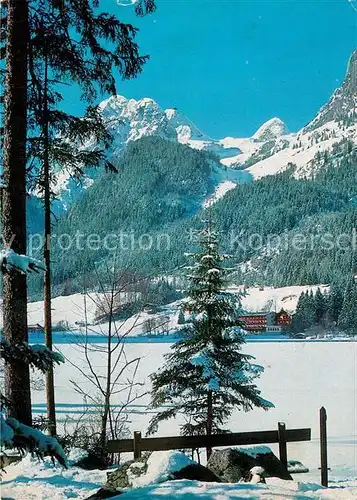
x: 17, y: 376
x: 106, y: 409
x: 50, y: 390
x: 209, y: 421
x: 107, y: 395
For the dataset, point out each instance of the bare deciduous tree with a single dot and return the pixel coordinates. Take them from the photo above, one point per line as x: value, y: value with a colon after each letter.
x: 114, y: 388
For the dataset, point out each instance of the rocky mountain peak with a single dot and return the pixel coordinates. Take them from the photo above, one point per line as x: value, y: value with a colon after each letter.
x: 350, y: 82
x: 342, y: 106
x: 185, y: 128
x: 131, y: 119
x: 270, y: 130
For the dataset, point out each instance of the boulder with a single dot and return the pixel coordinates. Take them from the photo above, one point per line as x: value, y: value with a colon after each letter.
x: 158, y: 467
x: 8, y: 459
x: 196, y: 472
x: 234, y: 464
x: 121, y: 477
x: 104, y: 493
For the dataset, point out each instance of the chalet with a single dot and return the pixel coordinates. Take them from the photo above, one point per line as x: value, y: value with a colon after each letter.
x: 266, y: 322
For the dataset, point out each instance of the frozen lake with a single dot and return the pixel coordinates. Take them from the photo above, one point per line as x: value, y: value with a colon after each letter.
x: 73, y: 337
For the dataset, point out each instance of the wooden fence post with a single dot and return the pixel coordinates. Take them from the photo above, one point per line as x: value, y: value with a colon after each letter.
x: 323, y: 446
x: 137, y: 444
x: 283, y: 452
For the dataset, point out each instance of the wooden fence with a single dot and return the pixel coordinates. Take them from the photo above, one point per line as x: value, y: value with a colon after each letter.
x: 281, y: 436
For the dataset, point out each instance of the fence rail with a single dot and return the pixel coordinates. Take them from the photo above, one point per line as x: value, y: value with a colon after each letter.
x: 281, y: 436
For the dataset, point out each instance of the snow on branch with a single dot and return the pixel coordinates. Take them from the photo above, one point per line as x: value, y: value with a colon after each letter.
x: 202, y: 360
x: 13, y: 434
x: 23, y: 263
x: 37, y: 356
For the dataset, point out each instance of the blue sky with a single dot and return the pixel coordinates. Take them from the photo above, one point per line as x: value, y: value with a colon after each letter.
x: 230, y: 65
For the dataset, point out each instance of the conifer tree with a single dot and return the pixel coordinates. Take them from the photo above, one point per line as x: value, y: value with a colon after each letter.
x: 67, y: 153
x: 334, y: 304
x: 311, y: 306
x: 181, y: 318
x: 320, y: 307
x: 348, y: 317
x: 72, y: 40
x: 305, y: 316
x: 298, y: 317
x: 15, y: 434
x: 206, y: 376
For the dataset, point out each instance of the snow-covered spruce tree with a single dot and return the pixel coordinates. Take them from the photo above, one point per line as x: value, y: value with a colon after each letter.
x: 14, y: 434
x: 206, y: 376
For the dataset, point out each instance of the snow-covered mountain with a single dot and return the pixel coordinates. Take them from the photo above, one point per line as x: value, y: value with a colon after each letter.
x: 334, y: 124
x: 130, y: 119
x: 185, y: 129
x: 270, y: 150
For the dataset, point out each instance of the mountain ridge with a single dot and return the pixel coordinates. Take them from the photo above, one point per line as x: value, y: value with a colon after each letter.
x: 270, y: 150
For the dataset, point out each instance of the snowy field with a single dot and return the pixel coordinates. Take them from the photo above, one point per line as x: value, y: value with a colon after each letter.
x: 299, y: 378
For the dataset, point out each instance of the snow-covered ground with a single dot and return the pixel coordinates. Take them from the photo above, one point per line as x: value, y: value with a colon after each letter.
x: 299, y: 378
x: 32, y: 480
x: 70, y: 310
x: 220, y: 191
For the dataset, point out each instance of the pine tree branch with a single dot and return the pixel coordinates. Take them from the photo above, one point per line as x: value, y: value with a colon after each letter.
x: 37, y: 356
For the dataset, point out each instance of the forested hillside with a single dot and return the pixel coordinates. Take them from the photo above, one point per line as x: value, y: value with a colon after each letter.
x: 158, y: 192
x: 315, y: 218
x: 159, y: 184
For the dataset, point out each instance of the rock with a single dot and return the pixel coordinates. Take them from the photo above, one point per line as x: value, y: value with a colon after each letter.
x: 105, y: 492
x: 91, y: 462
x: 129, y: 471
x: 120, y: 478
x: 226, y: 465
x: 196, y: 472
x: 296, y: 467
x: 234, y: 464
x: 8, y: 459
